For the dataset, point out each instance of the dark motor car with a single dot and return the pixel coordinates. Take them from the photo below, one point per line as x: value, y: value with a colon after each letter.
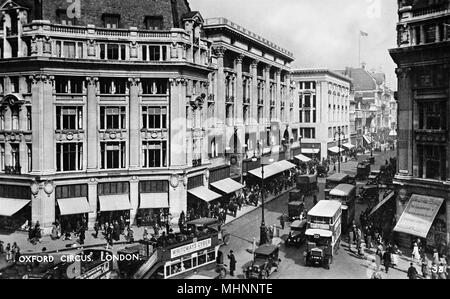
x: 297, y: 233
x: 295, y: 209
x: 265, y: 262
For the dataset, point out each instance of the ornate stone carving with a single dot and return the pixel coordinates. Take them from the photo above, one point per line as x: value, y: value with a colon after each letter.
x: 133, y: 49
x: 91, y: 49
x: 239, y: 58
x: 45, y: 78
x: 92, y: 80
x: 219, y: 51
x: 134, y: 81
x: 403, y: 73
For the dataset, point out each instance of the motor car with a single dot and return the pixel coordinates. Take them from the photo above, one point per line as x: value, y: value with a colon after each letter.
x: 297, y: 233
x: 265, y: 262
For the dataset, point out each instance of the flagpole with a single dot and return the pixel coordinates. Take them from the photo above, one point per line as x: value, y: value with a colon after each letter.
x: 359, y: 51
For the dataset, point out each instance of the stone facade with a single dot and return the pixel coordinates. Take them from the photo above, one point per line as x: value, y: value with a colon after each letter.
x: 92, y: 114
x: 423, y: 61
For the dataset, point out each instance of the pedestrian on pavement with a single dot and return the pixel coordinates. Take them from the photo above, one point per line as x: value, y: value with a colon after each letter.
x: 386, y: 260
x: 412, y: 272
x: 282, y: 221
x: 415, y: 252
x: 378, y: 257
x: 145, y: 234
x: 54, y: 235
x: 82, y: 235
x: 130, y: 235
x: 96, y: 229
x: 436, y: 259
x: 425, y: 268
x: 232, y: 259
x: 2, y: 250
x: 351, y: 236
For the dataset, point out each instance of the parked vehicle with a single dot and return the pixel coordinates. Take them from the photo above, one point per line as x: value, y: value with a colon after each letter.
x: 323, y: 234
x: 265, y: 262
x: 297, y: 233
x: 307, y: 184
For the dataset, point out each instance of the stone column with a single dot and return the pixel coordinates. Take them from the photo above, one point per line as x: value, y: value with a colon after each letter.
x: 134, y: 121
x: 278, y: 96
x: 422, y: 34
x: 43, y: 127
x: 405, y: 134
x: 134, y: 198
x: 92, y: 199
x: 254, y: 93
x: 23, y: 156
x: 438, y: 32
x: 267, y: 95
x: 220, y: 99
x: 177, y: 124
x: 92, y: 127
x: 43, y: 207
x: 239, y: 101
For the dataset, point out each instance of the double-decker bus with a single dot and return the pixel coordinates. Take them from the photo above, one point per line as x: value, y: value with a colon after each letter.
x: 178, y: 256
x: 346, y: 194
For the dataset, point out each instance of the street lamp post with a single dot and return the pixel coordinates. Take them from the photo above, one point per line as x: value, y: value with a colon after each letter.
x: 339, y: 132
x: 371, y: 143
x: 300, y: 142
x: 244, y: 153
x: 263, y: 229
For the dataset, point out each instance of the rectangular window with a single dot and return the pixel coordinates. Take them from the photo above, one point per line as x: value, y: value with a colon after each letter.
x: 15, y: 118
x: 154, y: 154
x: 307, y: 116
x: 69, y: 118
x: 63, y: 19
x: 154, y: 22
x: 14, y: 84
x: 112, y: 155
x: 69, y: 84
x: 155, y: 86
x: 307, y: 101
x: 154, y: 53
x: 153, y: 186
x: 432, y: 115
x: 112, y: 118
x: 113, y: 188
x: 109, y: 86
x: 30, y: 157
x: 69, y: 50
x: 432, y: 162
x: 71, y: 191
x: 69, y: 156
x: 111, y: 21
x: 2, y: 157
x: 154, y: 117
x: 29, y: 119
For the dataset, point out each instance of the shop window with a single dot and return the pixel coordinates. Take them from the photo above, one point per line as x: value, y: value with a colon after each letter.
x: 154, y: 22
x: 69, y: 118
x: 154, y: 154
x: 71, y: 191
x: 153, y: 186
x: 69, y: 156
x: 112, y: 118
x: 113, y: 188
x: 112, y: 155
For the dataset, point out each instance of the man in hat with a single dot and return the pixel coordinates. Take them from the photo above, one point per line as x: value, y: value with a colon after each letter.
x: 232, y: 262
x: 412, y: 272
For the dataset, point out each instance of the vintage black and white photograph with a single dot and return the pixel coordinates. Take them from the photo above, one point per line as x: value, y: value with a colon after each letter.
x: 231, y: 140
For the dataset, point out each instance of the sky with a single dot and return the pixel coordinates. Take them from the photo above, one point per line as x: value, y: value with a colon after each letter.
x: 320, y: 33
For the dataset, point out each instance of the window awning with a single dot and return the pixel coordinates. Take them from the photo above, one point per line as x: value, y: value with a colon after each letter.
x: 204, y: 194
x: 154, y: 201
x: 310, y: 151
x: 227, y: 186
x: 348, y: 146
x: 419, y: 215
x: 74, y: 206
x: 381, y: 203
x: 302, y: 158
x: 117, y: 202
x: 273, y: 169
x: 10, y: 206
x: 336, y: 149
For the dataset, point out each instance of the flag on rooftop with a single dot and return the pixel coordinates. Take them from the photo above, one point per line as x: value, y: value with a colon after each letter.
x: 363, y: 33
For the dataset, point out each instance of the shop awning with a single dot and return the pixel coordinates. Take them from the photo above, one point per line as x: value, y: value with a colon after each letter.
x: 302, y: 158
x: 381, y: 203
x: 10, y: 206
x: 154, y: 201
x: 204, y: 194
x: 310, y: 151
x: 273, y: 169
x: 117, y: 202
x: 336, y: 150
x: 227, y: 186
x: 348, y: 146
x: 74, y: 206
x: 419, y: 215
x: 367, y: 140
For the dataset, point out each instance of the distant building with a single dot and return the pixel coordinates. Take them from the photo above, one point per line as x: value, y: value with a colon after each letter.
x: 325, y: 100
x: 423, y: 179
x: 373, y: 117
